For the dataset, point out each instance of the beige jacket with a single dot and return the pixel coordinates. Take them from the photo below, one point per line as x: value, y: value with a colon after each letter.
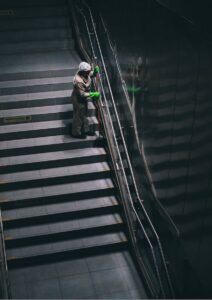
x: 81, y: 87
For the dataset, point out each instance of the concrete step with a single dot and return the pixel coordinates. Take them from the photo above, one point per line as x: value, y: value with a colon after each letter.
x: 23, y: 128
x: 29, y: 87
x: 72, y: 248
x: 21, y: 83
x: 53, y: 95
x: 28, y: 35
x: 9, y: 4
x: 59, y: 231
x: 42, y: 11
x: 68, y: 212
x: 43, y: 110
x: 46, y: 144
x: 104, y: 224
x: 17, y: 79
x: 51, y: 160
x: 38, y: 23
x: 53, y: 176
x: 57, y: 128
x: 37, y: 62
x: 28, y: 212
x: 57, y: 194
x: 38, y: 88
x: 36, y: 103
x: 36, y: 46
x: 52, y: 119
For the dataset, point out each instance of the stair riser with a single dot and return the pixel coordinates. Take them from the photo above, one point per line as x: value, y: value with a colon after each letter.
x: 35, y: 35
x: 53, y: 164
x: 36, y: 88
x: 36, y: 12
x: 49, y: 238
x: 37, y: 74
x: 55, y: 113
x: 35, y: 103
x: 36, y: 47
x: 12, y: 204
x: 32, y: 3
x: 39, y: 118
x: 52, y: 148
x: 38, y: 23
x: 73, y: 215
x: 53, y: 181
x: 41, y: 133
x: 69, y: 254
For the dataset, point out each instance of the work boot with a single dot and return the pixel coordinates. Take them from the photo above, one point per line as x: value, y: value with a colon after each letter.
x: 90, y: 133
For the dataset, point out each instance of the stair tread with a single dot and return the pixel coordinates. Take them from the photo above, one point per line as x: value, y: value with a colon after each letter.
x: 58, y: 231
x: 51, y: 213
x: 42, y: 141
x: 38, y: 111
x: 36, y: 96
x: 34, y: 62
x: 58, y: 190
x: 66, y: 245
x: 49, y: 156
x: 57, y: 227
x: 39, y: 23
x: 54, y: 172
x: 37, y: 74
x: 42, y: 110
x: 11, y: 3
x: 27, y: 212
x: 36, y: 81
x: 38, y: 46
x: 4, y: 129
x: 35, y: 129
x: 35, y: 42
x: 23, y: 12
x: 34, y: 34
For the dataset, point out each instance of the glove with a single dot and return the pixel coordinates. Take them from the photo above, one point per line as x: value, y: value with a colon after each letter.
x: 94, y: 94
x: 96, y: 70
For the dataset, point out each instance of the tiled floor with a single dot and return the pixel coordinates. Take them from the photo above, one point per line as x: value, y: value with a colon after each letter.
x: 108, y: 276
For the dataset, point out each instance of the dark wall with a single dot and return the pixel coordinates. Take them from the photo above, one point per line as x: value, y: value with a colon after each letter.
x: 171, y: 61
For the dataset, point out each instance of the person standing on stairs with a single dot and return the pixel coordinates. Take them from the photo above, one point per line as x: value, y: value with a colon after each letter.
x: 80, y: 96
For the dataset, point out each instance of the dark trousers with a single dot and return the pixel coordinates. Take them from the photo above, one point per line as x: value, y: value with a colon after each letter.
x: 80, y: 122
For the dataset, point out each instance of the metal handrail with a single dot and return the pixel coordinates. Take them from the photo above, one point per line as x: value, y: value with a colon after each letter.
x: 127, y: 186
x: 172, y: 226
x: 128, y: 159
x: 5, y: 290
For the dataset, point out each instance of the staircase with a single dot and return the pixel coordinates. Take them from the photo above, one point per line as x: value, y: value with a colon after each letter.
x: 63, y: 230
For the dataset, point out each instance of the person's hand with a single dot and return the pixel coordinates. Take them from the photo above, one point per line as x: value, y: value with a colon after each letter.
x: 94, y: 95
x: 96, y: 70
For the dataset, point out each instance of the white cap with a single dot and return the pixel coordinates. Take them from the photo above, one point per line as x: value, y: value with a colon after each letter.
x: 84, y: 66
